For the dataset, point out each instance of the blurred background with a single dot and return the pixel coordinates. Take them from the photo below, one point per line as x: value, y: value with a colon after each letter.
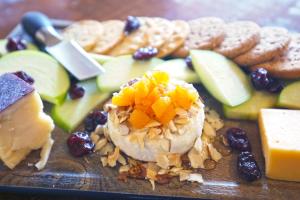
x: 265, y: 12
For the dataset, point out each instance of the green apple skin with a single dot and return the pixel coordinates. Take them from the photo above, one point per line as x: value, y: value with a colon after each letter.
x: 51, y: 80
x: 250, y: 109
x: 121, y: 69
x: 71, y: 113
x: 290, y: 96
x: 178, y: 69
x: 221, y: 77
x: 3, y: 50
x: 100, y: 58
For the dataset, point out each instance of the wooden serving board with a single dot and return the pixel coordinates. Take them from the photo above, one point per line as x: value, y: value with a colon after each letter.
x: 66, y: 174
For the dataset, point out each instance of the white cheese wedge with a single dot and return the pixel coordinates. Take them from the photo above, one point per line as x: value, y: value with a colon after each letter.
x: 23, y: 124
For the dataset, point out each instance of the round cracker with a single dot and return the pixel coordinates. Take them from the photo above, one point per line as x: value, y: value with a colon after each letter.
x: 206, y: 33
x: 286, y: 65
x: 85, y: 32
x: 158, y: 30
x: 131, y: 42
x: 273, y: 41
x: 240, y: 37
x: 181, y: 52
x: 180, y: 33
x: 113, y: 33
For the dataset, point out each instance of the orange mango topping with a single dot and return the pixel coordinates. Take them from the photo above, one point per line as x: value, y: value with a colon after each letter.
x: 138, y: 119
x: 152, y: 99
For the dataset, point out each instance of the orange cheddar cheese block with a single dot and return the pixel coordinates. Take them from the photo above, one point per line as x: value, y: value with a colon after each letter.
x: 280, y: 136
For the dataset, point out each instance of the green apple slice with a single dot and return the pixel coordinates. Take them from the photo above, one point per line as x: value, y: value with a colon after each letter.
x: 3, y: 50
x: 51, y: 79
x: 290, y: 96
x: 121, y: 69
x: 178, y: 69
x: 250, y: 109
x: 71, y: 113
x: 221, y: 77
x: 100, y: 58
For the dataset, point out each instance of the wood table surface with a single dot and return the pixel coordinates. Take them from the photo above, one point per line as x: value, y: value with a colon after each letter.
x: 285, y: 13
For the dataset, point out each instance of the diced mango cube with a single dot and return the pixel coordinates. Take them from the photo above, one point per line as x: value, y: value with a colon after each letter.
x: 125, y: 97
x: 168, y: 115
x: 161, y: 105
x: 161, y: 77
x: 138, y: 118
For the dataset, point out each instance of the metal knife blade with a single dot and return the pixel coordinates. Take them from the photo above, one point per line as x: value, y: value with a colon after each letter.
x: 68, y: 53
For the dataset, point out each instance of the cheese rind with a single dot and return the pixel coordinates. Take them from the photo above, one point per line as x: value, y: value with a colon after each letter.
x: 280, y: 136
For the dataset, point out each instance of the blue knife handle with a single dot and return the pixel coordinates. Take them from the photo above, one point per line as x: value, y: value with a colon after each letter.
x: 39, y: 27
x: 35, y: 21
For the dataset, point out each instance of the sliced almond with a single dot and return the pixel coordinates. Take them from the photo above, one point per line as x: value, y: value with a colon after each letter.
x: 165, y: 145
x: 208, y: 130
x: 172, y: 127
x: 162, y: 161
x: 174, y: 159
x: 153, y: 133
x: 198, y: 144
x: 122, y: 160
x: 195, y: 178
x: 100, y: 144
x: 112, y: 158
x: 163, y: 171
x: 94, y: 137
x: 104, y: 161
x: 124, y: 168
x: 181, y: 121
x: 181, y: 112
x: 123, y: 129
x: 184, y: 175
x: 108, y: 148
x: 152, y: 123
x: 214, y: 154
x: 138, y: 137
x: 109, y: 107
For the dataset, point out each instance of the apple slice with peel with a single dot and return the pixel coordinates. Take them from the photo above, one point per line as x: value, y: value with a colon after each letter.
x: 3, y: 50
x: 221, y: 77
x: 51, y: 79
x: 250, y: 109
x: 121, y: 69
x: 100, y: 58
x: 290, y: 96
x: 178, y: 69
x: 71, y: 113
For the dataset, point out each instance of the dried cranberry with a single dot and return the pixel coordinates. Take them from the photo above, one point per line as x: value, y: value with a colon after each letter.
x: 94, y: 119
x: 188, y: 61
x: 15, y: 44
x: 76, y: 91
x: 145, y: 53
x: 132, y: 23
x: 25, y: 77
x: 248, y: 167
x: 80, y: 144
x: 275, y: 86
x: 260, y: 79
x: 238, y: 139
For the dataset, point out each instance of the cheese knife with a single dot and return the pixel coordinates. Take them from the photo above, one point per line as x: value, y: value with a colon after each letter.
x: 68, y: 53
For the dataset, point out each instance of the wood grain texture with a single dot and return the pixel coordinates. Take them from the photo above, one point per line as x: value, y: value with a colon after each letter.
x: 66, y: 172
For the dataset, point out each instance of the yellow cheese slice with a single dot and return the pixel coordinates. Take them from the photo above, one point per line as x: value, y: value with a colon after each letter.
x: 280, y: 136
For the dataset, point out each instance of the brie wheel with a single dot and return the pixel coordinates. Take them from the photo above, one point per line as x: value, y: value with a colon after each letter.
x: 166, y: 143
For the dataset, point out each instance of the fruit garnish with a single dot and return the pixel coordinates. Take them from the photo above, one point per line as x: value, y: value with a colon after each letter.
x: 155, y: 97
x: 94, y: 119
x: 188, y: 61
x: 261, y: 80
x: 25, y: 77
x: 76, y: 91
x: 15, y: 44
x: 248, y: 167
x: 132, y: 24
x: 238, y: 139
x: 80, y: 144
x: 145, y: 53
